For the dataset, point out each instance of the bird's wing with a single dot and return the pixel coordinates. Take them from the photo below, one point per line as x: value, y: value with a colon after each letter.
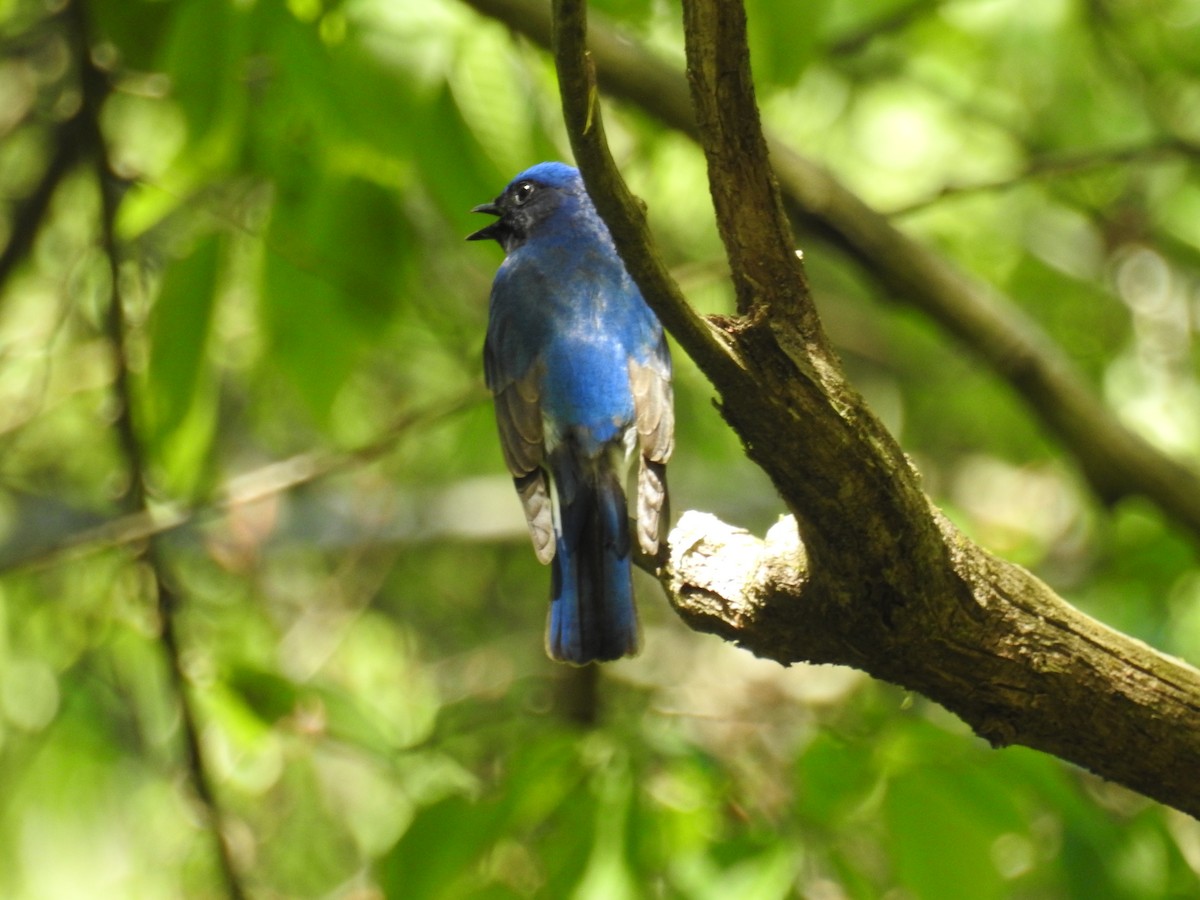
x: 653, y: 403
x: 519, y: 418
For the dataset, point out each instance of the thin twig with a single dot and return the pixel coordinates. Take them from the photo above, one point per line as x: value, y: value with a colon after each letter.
x: 32, y: 209
x: 94, y: 85
x: 889, y: 23
x: 1045, y: 167
x: 267, y: 481
x: 68, y: 139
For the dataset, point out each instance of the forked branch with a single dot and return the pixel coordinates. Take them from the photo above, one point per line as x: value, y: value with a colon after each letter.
x: 869, y: 573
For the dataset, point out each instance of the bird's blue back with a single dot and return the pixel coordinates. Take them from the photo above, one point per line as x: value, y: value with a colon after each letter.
x: 576, y: 360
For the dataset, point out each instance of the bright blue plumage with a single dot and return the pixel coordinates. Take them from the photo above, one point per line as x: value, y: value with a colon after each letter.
x: 581, y: 376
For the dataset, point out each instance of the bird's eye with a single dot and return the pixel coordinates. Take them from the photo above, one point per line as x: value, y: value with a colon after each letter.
x: 523, y: 192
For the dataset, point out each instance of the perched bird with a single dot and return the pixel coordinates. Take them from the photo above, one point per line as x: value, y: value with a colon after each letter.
x: 581, y: 376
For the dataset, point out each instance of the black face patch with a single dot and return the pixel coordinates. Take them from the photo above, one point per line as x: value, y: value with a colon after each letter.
x: 521, y: 208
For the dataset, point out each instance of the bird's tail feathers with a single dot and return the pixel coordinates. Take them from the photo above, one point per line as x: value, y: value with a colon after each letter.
x: 592, y: 613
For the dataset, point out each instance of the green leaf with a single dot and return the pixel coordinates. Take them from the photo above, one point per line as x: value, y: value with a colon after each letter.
x: 332, y: 281
x: 369, y: 100
x: 347, y: 718
x: 767, y: 876
x: 628, y: 12
x: 180, y: 391
x: 437, y: 852
x: 783, y: 37
x: 310, y: 332
x: 943, y: 825
x: 134, y: 27
x: 542, y: 776
x: 452, y: 164
x: 202, y: 56
x: 268, y: 695
x: 359, y: 226
x: 302, y: 864
x: 833, y: 777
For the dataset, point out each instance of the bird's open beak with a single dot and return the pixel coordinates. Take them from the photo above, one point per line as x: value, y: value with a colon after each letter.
x: 488, y: 232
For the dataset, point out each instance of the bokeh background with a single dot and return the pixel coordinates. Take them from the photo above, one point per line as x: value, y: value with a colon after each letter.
x: 279, y: 436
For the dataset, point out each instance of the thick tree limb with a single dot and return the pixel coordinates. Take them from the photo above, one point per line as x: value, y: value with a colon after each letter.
x: 1115, y: 461
x: 880, y: 580
x: 767, y: 276
x: 1017, y: 663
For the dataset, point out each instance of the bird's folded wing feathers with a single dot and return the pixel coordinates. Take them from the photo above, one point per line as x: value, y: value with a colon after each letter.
x: 538, y: 513
x: 654, y: 407
x: 519, y: 417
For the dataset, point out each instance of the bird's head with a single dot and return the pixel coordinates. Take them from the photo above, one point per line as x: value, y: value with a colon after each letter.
x: 530, y: 199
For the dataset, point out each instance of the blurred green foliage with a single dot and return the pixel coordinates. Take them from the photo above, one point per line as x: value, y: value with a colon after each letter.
x: 364, y: 649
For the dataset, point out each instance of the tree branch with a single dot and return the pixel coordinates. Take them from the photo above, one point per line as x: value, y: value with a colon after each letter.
x: 1115, y: 461
x: 881, y: 580
x: 272, y: 479
x: 1019, y: 664
x: 94, y: 89
x: 67, y: 140
x: 767, y: 275
x: 617, y: 204
x: 1161, y: 150
x: 890, y: 22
